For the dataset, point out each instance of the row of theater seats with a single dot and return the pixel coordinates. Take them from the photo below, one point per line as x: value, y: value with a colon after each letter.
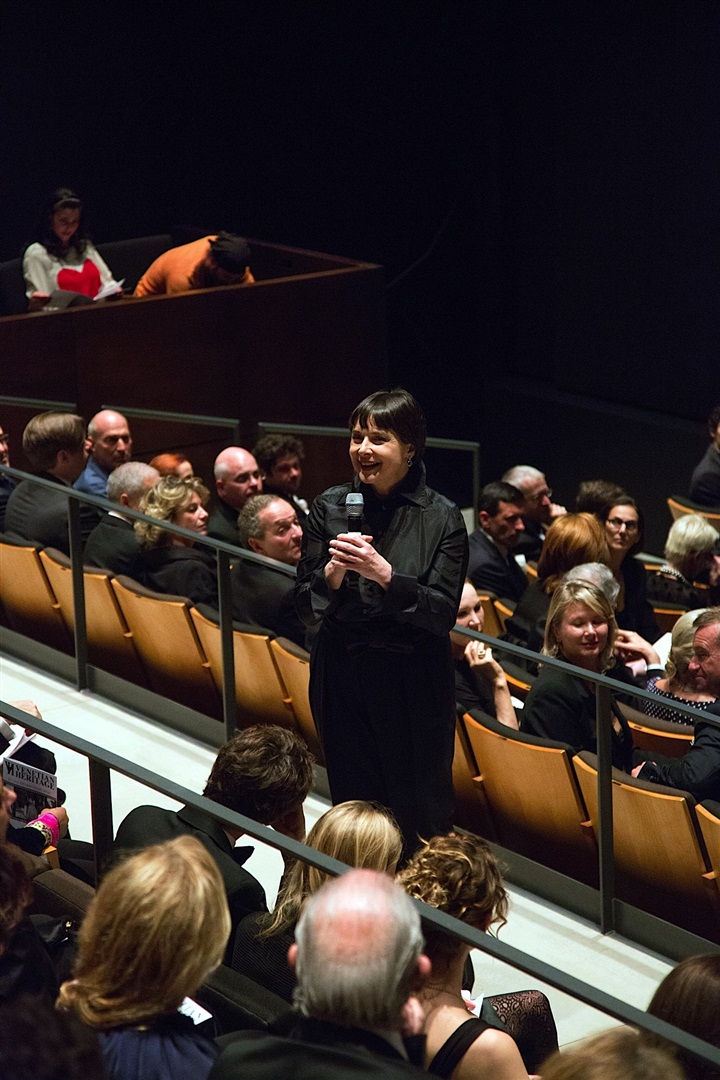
x: 161, y: 643
x: 537, y: 798
x: 530, y: 795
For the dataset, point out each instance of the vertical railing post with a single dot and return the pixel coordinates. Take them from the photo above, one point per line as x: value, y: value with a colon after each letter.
x: 229, y: 698
x: 78, y: 590
x: 603, y: 721
x: 101, y: 813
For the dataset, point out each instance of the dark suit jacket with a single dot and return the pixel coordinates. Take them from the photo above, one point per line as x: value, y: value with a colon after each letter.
x: 302, y: 514
x: 179, y: 571
x: 147, y: 825
x: 39, y: 514
x: 531, y: 541
x: 113, y: 545
x: 489, y: 571
x: 222, y: 523
x: 263, y: 596
x: 7, y: 486
x: 705, y: 483
x: 699, y: 770
x: 313, y: 1050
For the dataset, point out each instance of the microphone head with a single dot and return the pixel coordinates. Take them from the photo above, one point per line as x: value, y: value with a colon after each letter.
x: 354, y: 503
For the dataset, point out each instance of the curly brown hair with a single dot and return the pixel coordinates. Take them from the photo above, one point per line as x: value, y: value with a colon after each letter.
x: 459, y: 875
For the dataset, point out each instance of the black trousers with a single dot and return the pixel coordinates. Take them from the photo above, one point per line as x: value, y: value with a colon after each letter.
x: 386, y: 720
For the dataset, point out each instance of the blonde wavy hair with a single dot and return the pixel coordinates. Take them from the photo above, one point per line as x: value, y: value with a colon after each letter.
x: 360, y: 834
x: 681, y: 647
x: 165, y: 500
x: 579, y: 592
x: 459, y: 875
x: 156, y: 929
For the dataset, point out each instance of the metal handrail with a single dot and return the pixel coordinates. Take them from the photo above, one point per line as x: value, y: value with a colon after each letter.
x: 103, y: 762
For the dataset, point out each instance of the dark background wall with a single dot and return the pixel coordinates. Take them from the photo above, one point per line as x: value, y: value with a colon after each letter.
x: 539, y: 179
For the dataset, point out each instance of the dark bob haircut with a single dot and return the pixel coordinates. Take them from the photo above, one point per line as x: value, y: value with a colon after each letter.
x: 393, y: 410
x: 60, y: 199
x: 627, y: 500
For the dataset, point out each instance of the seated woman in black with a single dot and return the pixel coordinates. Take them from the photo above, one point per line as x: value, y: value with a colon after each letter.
x: 480, y: 682
x: 169, y: 563
x: 624, y: 528
x: 581, y: 630
x: 570, y: 541
x: 690, y: 555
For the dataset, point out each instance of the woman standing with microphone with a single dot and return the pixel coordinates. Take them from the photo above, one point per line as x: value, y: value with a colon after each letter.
x: 385, y: 594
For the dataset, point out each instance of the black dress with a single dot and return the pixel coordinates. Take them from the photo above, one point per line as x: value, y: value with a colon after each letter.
x: 382, y: 684
x: 637, y: 613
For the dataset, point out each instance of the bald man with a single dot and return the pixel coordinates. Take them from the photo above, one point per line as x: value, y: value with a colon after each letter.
x: 109, y: 444
x: 237, y: 479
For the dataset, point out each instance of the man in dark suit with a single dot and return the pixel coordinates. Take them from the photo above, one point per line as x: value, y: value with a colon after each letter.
x: 705, y: 482
x: 264, y: 773
x: 113, y: 545
x: 237, y: 478
x: 492, y: 566
x: 7, y: 483
x: 54, y: 444
x: 280, y: 457
x: 358, y: 960
x: 262, y: 592
x: 539, y: 511
x: 698, y: 771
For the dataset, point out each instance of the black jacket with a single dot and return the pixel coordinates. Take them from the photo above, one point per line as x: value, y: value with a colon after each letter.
x: 490, y: 571
x: 699, y: 770
x: 263, y: 595
x: 40, y: 514
x: 113, y: 545
x: 180, y: 571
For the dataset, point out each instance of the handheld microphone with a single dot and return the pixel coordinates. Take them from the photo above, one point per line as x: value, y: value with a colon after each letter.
x: 354, y: 504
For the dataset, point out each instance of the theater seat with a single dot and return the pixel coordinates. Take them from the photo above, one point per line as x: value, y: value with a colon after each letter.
x: 293, y: 664
x: 28, y: 600
x: 679, y: 506
x: 657, y: 736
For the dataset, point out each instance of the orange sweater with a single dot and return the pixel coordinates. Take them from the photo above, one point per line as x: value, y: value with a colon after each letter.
x: 173, y: 270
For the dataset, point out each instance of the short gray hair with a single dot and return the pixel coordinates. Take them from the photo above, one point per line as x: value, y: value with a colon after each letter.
x: 130, y: 479
x: 599, y: 575
x: 681, y: 648
x: 360, y: 976
x: 690, y: 544
x: 249, y: 523
x: 520, y: 475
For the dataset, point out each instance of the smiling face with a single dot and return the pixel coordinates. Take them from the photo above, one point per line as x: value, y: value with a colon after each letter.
x: 65, y: 223
x: 705, y: 663
x: 582, y: 635
x: 622, y: 526
x: 193, y: 516
x: 378, y: 457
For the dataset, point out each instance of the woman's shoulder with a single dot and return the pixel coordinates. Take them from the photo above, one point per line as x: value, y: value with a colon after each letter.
x: 36, y: 251
x: 171, y: 1049
x: 493, y: 1053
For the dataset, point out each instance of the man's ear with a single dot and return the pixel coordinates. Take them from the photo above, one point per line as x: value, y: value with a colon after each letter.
x: 292, y: 956
x: 124, y: 499
x: 483, y: 518
x: 88, y: 445
x: 255, y: 545
x: 422, y: 972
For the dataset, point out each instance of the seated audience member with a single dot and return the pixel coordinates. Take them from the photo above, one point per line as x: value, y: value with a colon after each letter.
x: 62, y: 256
x: 154, y: 932
x: 359, y: 834
x: 40, y: 1043
x: 689, y: 998
x: 492, y: 565
x: 25, y: 965
x: 678, y: 684
x: 280, y: 457
x: 459, y: 875
x: 172, y: 564
x: 624, y: 528
x: 690, y: 552
x: 570, y: 541
x: 202, y: 264
x: 109, y: 444
x: 538, y: 510
x: 174, y: 464
x: 7, y: 483
x: 480, y: 682
x: 699, y: 770
x: 262, y: 594
x: 594, y: 495
x: 580, y: 630
x: 113, y: 544
x: 358, y: 961
x: 263, y: 772
x: 621, y: 1054
x: 54, y: 444
x: 705, y: 482
x: 237, y: 479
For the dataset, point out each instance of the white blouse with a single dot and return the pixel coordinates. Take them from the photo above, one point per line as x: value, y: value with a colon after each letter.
x: 86, y: 273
